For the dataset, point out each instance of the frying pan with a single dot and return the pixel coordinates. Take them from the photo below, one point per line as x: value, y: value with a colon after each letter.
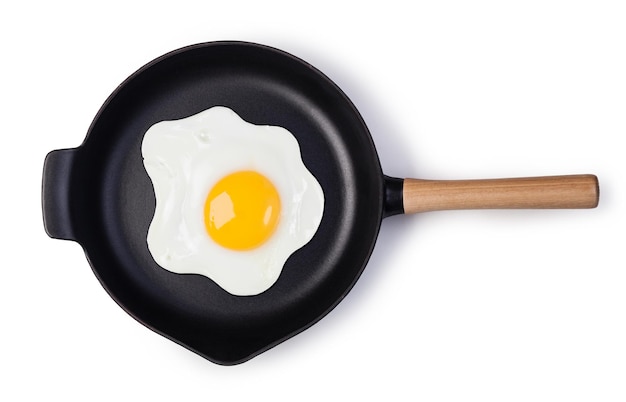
x: 100, y: 196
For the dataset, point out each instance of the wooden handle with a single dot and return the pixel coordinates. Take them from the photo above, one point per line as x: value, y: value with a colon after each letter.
x: 575, y: 191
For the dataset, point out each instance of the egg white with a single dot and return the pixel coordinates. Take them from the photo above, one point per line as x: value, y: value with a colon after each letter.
x: 185, y: 158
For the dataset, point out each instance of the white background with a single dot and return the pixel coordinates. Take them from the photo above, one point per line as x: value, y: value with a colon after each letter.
x: 453, y: 306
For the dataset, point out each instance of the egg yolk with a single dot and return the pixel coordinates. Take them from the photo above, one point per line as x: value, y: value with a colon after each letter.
x: 241, y: 211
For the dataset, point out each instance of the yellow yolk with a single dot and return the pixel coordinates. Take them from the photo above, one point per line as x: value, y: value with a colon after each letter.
x: 241, y: 211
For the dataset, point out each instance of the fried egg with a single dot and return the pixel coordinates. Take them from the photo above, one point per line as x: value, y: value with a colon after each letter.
x: 233, y: 200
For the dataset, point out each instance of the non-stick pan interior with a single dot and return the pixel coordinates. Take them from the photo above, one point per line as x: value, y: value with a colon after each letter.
x: 113, y: 200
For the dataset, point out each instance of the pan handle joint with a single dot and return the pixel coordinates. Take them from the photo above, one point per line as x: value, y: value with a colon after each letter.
x: 393, y: 202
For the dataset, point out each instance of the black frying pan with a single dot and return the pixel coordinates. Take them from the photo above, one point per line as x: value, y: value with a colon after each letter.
x: 100, y: 196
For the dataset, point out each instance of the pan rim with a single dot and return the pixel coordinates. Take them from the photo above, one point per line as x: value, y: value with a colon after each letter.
x: 376, y: 216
